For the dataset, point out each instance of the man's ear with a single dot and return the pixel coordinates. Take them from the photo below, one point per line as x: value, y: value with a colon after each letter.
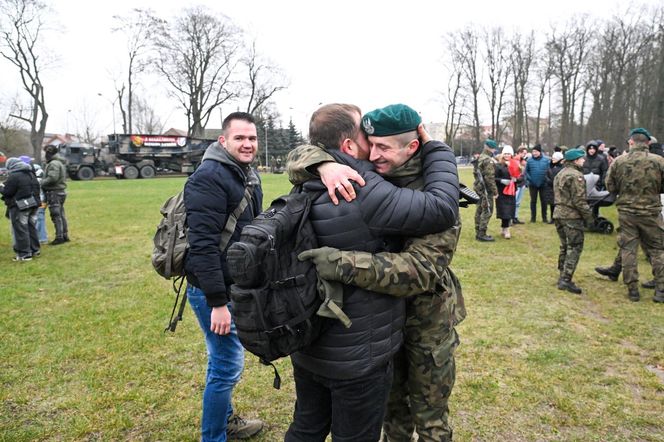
x: 413, y: 146
x: 347, y: 146
x: 222, y: 140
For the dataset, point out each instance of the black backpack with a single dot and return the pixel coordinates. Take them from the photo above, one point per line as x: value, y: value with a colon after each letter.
x: 274, y: 295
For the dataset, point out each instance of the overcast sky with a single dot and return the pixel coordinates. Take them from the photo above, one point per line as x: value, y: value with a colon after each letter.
x: 371, y: 53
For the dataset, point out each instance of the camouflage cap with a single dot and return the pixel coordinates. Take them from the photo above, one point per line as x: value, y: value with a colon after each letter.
x: 390, y: 120
x: 574, y: 154
x: 491, y: 143
x: 640, y: 130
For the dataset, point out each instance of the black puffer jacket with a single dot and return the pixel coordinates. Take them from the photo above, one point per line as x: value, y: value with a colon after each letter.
x: 380, y: 209
x: 210, y: 195
x: 598, y: 165
x: 22, y: 183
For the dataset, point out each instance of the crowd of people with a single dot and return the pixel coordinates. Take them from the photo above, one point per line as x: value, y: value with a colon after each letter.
x: 563, y: 183
x: 27, y: 192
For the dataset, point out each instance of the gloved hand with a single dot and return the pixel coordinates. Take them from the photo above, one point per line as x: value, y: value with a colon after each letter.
x: 326, y: 260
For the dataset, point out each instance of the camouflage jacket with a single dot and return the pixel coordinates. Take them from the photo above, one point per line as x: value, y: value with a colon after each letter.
x: 421, y: 268
x: 302, y: 160
x: 569, y: 190
x: 485, y: 175
x: 638, y: 179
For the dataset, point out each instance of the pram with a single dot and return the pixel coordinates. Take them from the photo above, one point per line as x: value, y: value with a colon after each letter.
x: 596, y: 199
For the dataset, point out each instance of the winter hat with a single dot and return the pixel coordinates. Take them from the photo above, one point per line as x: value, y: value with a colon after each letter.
x: 592, y: 143
x: 391, y: 120
x: 556, y: 157
x: 507, y: 149
x: 490, y: 143
x: 13, y: 164
x: 538, y: 147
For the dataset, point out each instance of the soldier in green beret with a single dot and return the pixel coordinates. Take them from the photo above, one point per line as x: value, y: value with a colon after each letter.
x: 638, y: 179
x: 424, y: 369
x: 571, y: 211
x: 485, y: 187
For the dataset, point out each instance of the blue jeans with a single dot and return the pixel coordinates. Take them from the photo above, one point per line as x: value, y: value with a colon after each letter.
x: 225, y: 364
x: 41, y: 225
x: 352, y: 409
x: 519, y: 196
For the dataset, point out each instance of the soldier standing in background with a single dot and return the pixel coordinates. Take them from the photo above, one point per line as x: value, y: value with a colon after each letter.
x: 571, y: 210
x: 485, y: 187
x: 54, y: 185
x: 638, y: 179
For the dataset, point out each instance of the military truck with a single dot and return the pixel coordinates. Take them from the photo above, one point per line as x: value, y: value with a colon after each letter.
x: 134, y: 156
x: 142, y: 156
x: 85, y: 161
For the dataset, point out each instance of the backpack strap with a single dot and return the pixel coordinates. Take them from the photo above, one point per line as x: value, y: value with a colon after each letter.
x: 229, y: 228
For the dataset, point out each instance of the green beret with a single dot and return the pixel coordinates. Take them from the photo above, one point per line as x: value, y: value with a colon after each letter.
x: 390, y: 120
x: 574, y: 154
x: 640, y: 130
x: 492, y: 144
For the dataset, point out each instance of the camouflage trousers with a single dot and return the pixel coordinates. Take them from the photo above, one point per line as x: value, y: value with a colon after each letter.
x: 570, y: 232
x: 424, y: 374
x: 483, y: 213
x: 649, y: 231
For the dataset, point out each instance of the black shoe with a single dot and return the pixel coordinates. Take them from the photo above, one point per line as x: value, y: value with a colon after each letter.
x: 648, y: 284
x: 659, y: 296
x: 67, y: 239
x: 634, y: 295
x: 517, y: 221
x: 612, y: 272
x: 484, y: 238
x: 546, y: 221
x: 57, y: 241
x: 566, y: 284
x: 533, y: 220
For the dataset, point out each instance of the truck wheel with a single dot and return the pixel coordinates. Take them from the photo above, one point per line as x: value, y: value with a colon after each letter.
x: 131, y: 172
x: 85, y: 174
x: 147, y: 172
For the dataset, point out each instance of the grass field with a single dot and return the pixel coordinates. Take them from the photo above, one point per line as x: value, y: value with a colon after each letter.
x: 83, y: 355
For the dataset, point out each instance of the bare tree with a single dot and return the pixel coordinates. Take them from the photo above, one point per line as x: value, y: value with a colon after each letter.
x: 522, y: 57
x: 147, y: 120
x: 454, y: 105
x: 138, y: 27
x: 198, y: 56
x: 265, y: 79
x: 543, y: 68
x: 13, y: 139
x: 464, y: 47
x: 496, y: 60
x: 569, y: 50
x: 21, y: 26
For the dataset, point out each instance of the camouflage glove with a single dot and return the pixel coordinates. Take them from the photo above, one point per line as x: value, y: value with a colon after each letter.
x: 326, y: 260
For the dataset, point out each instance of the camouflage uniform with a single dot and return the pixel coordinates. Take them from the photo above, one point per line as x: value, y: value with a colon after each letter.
x: 571, y: 210
x: 485, y: 187
x: 424, y: 368
x: 638, y: 179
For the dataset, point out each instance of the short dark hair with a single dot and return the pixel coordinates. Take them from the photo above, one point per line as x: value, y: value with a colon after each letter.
x: 244, y: 116
x: 640, y: 138
x: 332, y: 123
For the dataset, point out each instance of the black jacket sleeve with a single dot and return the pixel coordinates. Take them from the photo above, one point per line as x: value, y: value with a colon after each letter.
x: 388, y: 209
x: 206, y: 199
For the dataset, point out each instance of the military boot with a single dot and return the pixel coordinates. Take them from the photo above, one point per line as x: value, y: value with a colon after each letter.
x: 659, y: 296
x: 239, y: 428
x: 612, y: 272
x: 567, y: 284
x: 484, y: 237
x: 633, y: 294
x: 648, y: 284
